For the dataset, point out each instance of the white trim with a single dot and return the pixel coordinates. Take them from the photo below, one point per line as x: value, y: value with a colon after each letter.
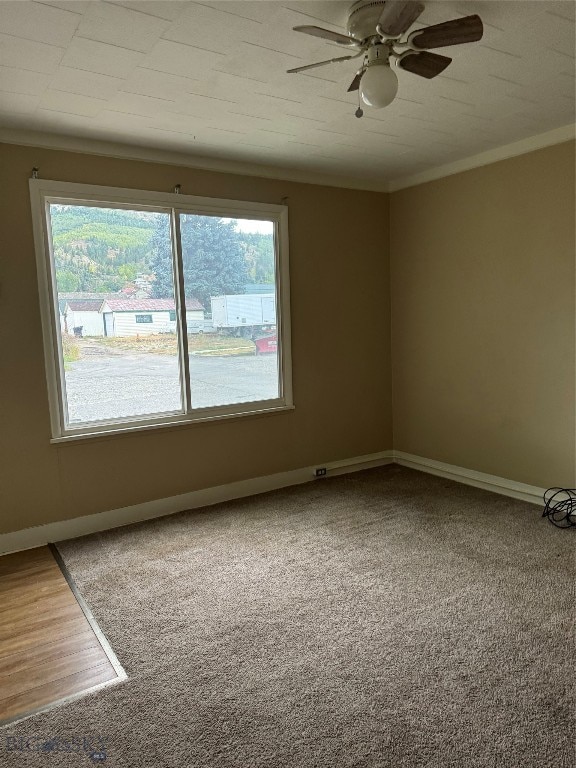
x: 184, y: 160
x: 283, y: 315
x: 116, y: 518
x: 128, y: 196
x: 47, y: 309
x: 556, y: 136
x: 102, y: 521
x: 43, y: 192
x: 88, y: 146
x: 493, y: 483
x: 170, y: 422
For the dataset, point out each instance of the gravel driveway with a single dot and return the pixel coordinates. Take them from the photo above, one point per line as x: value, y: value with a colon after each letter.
x: 107, y: 387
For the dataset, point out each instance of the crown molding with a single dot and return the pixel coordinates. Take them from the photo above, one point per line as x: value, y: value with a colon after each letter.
x: 541, y: 140
x: 91, y: 146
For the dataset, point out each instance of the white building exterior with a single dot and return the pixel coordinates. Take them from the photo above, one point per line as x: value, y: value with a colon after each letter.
x: 144, y: 317
x: 83, y: 314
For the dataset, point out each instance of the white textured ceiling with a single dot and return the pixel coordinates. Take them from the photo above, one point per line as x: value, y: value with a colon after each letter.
x: 209, y: 79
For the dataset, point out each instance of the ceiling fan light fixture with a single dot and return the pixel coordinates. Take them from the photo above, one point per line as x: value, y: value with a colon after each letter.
x: 375, y: 29
x: 379, y: 85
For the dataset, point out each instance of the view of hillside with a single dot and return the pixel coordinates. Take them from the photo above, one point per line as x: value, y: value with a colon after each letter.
x: 104, y: 250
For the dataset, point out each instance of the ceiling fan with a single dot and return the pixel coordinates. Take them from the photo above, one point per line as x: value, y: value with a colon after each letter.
x: 375, y: 29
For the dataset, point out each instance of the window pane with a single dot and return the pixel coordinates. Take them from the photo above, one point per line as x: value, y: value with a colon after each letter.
x: 119, y: 342
x: 230, y: 287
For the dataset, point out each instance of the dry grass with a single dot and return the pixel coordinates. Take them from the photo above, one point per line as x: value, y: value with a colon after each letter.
x: 70, y: 348
x: 166, y: 344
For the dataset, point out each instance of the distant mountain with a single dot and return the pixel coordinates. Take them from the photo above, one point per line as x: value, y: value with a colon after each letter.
x: 106, y: 250
x: 101, y: 249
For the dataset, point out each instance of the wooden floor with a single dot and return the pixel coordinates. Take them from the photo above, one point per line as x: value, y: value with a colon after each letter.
x: 48, y: 649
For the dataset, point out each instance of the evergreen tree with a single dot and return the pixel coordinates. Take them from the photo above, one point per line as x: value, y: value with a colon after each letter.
x: 161, y: 261
x: 213, y: 258
x: 101, y: 250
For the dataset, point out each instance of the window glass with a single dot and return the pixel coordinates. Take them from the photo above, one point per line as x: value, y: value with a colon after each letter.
x: 230, y: 289
x: 159, y: 308
x: 119, y: 354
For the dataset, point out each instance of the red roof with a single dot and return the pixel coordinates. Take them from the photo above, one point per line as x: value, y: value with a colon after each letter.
x: 149, y: 305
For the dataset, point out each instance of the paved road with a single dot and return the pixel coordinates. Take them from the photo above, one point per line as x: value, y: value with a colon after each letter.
x: 114, y: 387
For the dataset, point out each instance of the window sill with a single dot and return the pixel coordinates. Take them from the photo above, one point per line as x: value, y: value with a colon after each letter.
x: 131, y: 429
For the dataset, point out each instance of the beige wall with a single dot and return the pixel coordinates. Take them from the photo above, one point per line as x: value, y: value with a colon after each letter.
x: 483, y: 318
x: 341, y: 355
x: 482, y: 336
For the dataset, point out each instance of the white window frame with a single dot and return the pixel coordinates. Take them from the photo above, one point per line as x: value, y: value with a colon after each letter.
x: 43, y: 192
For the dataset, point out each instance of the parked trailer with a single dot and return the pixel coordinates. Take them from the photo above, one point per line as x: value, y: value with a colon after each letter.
x: 244, y: 314
x: 200, y: 326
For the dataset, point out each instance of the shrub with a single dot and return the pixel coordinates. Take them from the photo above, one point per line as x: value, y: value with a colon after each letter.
x: 70, y: 349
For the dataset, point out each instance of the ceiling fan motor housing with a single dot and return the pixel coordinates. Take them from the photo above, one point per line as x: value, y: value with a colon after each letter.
x: 363, y: 17
x: 375, y: 27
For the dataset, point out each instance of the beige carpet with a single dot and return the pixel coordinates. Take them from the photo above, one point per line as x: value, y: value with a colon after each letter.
x: 384, y: 619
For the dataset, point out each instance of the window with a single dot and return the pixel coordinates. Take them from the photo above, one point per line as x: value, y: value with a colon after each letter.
x: 182, y: 310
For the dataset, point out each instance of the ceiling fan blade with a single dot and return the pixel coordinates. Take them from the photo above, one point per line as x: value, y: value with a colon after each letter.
x: 397, y: 16
x: 465, y: 30
x: 355, y: 84
x: 424, y: 64
x: 319, y: 64
x: 326, y: 34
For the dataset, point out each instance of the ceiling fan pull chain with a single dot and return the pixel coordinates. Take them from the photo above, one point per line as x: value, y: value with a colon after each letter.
x: 376, y: 29
x: 359, y: 112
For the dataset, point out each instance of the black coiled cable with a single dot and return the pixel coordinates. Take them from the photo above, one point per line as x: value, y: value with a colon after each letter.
x: 560, y: 507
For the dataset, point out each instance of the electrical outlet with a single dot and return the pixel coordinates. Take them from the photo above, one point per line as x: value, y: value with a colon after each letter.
x: 320, y: 472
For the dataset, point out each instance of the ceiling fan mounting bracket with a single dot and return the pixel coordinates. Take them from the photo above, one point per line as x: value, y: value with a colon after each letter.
x: 376, y: 29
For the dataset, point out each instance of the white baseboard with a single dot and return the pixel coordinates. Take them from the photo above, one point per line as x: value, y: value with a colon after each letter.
x: 116, y: 518
x: 493, y: 483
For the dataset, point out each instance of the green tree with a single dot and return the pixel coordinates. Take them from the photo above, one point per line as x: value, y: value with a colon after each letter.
x: 67, y: 280
x: 100, y: 249
x: 213, y: 258
x: 259, y: 249
x: 161, y: 261
x: 127, y: 272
